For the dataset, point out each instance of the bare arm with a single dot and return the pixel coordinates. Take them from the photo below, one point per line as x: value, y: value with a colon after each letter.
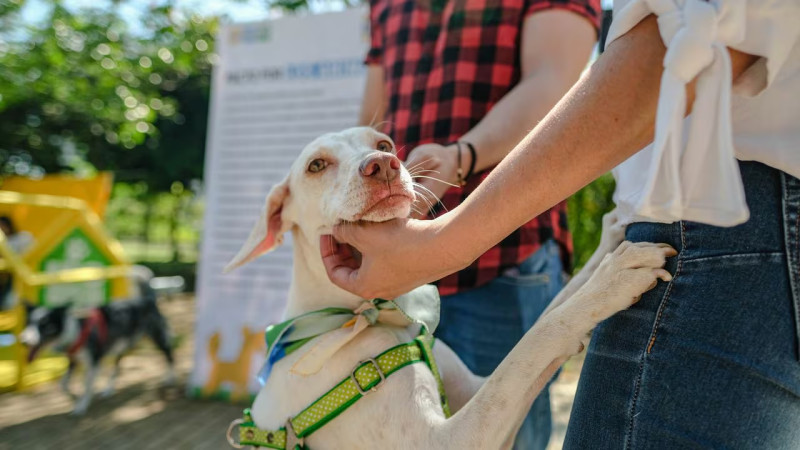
x: 604, y: 119
x: 556, y: 46
x: 373, y: 104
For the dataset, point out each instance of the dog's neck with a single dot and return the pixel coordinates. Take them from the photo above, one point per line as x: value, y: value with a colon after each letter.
x: 311, y: 289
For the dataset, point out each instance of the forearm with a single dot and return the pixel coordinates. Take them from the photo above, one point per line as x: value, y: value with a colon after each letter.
x: 555, y: 47
x: 372, y: 103
x: 605, y: 118
x: 515, y: 115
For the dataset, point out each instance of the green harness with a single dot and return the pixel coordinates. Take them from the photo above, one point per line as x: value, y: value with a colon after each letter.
x: 365, y: 378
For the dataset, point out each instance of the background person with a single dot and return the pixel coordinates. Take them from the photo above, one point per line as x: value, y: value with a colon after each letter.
x: 710, y: 359
x: 20, y: 242
x: 482, y: 73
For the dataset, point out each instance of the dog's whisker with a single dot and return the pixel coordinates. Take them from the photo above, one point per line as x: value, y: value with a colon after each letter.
x: 423, y: 200
x: 438, y: 200
x: 421, y: 186
x: 418, y: 172
x: 419, y: 164
x: 378, y: 125
x: 437, y: 179
x: 419, y: 210
x: 429, y: 202
x: 427, y: 191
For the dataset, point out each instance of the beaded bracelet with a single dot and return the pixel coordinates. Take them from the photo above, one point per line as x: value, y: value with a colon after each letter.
x: 462, y: 180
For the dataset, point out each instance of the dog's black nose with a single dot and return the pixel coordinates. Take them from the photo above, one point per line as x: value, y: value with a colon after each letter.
x: 380, y: 167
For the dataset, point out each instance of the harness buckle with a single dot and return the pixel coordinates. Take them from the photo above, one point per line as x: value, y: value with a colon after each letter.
x: 292, y: 441
x: 377, y: 369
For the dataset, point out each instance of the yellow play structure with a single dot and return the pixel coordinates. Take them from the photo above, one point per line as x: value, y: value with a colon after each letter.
x: 71, y: 259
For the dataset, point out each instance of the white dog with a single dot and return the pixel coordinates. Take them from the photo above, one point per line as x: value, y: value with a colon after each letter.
x: 354, y: 175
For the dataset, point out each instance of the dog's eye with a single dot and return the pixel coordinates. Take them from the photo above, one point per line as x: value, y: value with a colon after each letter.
x: 384, y: 146
x: 317, y: 165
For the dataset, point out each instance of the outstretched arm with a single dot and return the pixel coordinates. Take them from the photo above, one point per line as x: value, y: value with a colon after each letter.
x: 604, y: 119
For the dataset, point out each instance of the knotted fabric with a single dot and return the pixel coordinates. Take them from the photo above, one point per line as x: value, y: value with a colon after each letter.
x: 335, y: 327
x: 687, y: 153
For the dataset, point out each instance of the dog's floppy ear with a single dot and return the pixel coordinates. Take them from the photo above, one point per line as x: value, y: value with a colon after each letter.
x: 267, y: 233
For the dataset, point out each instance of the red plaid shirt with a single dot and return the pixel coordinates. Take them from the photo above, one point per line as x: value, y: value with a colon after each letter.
x: 446, y: 63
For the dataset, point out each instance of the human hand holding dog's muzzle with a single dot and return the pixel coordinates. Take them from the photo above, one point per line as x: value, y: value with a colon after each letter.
x: 387, y: 259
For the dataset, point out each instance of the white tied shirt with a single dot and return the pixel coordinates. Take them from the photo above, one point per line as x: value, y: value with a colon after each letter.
x: 690, y: 171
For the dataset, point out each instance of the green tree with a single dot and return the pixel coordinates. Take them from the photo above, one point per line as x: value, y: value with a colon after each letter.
x: 82, y: 91
x: 89, y: 89
x: 585, y: 212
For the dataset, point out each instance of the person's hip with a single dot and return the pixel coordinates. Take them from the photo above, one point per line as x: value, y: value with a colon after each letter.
x: 768, y: 242
x: 719, y: 342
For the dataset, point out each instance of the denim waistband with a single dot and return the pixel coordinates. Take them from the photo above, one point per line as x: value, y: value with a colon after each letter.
x: 762, y: 233
x: 774, y: 227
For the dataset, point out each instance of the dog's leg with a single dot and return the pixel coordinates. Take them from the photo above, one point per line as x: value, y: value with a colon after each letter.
x: 67, y: 377
x: 490, y: 418
x: 460, y: 384
x: 86, y: 398
x: 109, y: 391
x: 160, y: 336
x: 613, y: 233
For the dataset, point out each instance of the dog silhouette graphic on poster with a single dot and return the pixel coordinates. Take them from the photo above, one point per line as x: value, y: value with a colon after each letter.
x: 235, y: 373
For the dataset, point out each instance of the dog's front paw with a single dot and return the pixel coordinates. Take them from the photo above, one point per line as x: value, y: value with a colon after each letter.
x: 623, y: 276
x: 78, y: 411
x: 613, y: 232
x: 81, y: 406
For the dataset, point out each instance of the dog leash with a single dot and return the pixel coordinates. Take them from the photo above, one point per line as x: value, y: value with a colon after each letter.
x: 94, y: 321
x: 365, y: 378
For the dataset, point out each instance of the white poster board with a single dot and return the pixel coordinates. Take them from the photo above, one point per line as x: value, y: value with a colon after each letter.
x: 278, y: 85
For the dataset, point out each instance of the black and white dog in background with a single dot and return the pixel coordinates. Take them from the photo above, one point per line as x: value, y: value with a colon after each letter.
x: 105, y: 332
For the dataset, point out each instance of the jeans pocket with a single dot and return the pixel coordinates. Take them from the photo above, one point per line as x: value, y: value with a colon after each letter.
x: 533, y: 293
x: 525, y: 279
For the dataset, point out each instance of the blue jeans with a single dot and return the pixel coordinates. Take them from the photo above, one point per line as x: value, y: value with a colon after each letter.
x: 482, y: 325
x: 709, y: 360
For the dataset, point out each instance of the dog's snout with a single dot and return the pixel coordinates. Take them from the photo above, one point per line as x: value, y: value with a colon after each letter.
x: 380, y: 167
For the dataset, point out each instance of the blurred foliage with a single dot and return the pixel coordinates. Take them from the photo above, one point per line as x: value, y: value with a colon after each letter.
x: 292, y: 6
x: 157, y: 227
x: 82, y: 91
x: 8, y: 11
x: 585, y: 212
